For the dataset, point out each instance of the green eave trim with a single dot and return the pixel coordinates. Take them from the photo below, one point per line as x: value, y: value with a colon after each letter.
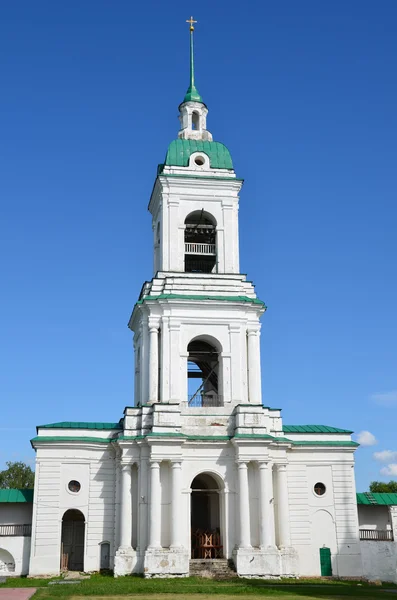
x: 179, y: 152
x: 64, y: 438
x: 325, y: 443
x: 16, y: 495
x: 81, y: 425
x: 313, y: 429
x: 245, y: 299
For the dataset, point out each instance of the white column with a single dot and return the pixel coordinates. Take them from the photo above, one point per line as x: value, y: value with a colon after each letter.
x: 165, y: 361
x: 266, y: 503
x: 126, y: 507
x: 153, y: 363
x: 155, y: 506
x: 175, y: 361
x: 283, y: 511
x: 243, y: 505
x: 143, y: 502
x: 176, y: 504
x: 254, y: 367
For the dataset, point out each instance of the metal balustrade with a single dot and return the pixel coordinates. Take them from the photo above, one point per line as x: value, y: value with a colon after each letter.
x: 193, y: 248
x: 15, y: 530
x: 205, y: 400
x: 376, y: 535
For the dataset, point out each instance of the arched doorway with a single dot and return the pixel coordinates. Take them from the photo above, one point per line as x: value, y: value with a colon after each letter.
x: 205, y: 515
x: 72, y: 541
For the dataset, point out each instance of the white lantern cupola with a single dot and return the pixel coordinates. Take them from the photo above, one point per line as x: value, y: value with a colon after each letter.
x: 193, y: 111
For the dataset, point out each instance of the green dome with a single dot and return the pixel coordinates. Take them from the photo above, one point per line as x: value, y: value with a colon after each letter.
x: 179, y: 152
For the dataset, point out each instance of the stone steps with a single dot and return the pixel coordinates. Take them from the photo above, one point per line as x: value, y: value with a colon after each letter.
x: 219, y: 568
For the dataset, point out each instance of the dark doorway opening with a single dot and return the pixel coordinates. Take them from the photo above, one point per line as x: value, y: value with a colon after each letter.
x: 206, y: 539
x: 72, y: 541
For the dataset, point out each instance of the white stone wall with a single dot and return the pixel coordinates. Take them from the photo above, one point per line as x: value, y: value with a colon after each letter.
x: 94, y: 468
x: 329, y: 520
x: 15, y: 550
x: 379, y: 560
x: 14, y: 555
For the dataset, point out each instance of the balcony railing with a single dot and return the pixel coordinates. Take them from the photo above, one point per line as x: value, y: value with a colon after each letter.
x: 207, y: 249
x: 376, y: 535
x: 15, y: 530
x: 204, y: 400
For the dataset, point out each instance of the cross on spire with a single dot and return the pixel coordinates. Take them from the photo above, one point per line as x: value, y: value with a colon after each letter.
x: 192, y: 93
x: 191, y: 21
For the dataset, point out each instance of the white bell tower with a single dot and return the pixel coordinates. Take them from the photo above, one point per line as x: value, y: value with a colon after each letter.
x: 196, y: 323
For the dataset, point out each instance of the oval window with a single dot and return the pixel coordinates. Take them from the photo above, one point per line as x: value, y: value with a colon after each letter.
x: 319, y: 489
x: 74, y: 486
x: 199, y: 160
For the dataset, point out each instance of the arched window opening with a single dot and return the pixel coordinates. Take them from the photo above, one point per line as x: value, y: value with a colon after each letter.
x: 203, y: 375
x: 72, y: 541
x: 195, y: 120
x: 206, y: 541
x: 200, y: 243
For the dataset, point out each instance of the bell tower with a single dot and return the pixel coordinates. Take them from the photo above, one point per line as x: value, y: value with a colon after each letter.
x: 196, y: 323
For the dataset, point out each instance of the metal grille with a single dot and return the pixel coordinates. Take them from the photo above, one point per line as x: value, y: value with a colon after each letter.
x: 191, y: 248
x: 204, y: 400
x: 15, y: 530
x: 377, y: 535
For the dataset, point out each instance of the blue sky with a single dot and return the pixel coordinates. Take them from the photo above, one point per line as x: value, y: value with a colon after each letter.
x: 304, y: 96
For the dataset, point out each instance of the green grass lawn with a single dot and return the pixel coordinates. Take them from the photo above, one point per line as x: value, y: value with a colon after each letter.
x: 101, y: 587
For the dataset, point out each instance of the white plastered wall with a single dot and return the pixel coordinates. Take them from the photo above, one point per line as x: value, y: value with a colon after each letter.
x: 95, y: 471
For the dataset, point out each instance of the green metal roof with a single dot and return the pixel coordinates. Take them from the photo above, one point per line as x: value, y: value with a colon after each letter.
x: 313, y: 429
x: 179, y: 152
x: 377, y: 499
x: 80, y: 425
x: 16, y: 495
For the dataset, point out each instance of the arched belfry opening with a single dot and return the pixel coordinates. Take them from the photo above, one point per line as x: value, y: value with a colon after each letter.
x: 195, y: 120
x: 200, y: 243
x: 206, y: 535
x: 72, y: 541
x: 203, y: 373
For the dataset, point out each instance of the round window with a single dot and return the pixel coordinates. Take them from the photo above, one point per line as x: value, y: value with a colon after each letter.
x: 74, y: 486
x: 319, y: 489
x: 199, y: 160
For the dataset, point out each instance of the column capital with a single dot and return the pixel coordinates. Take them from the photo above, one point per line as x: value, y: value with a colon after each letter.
x: 253, y: 331
x: 265, y: 464
x: 242, y: 464
x: 153, y: 328
x: 154, y: 463
x: 126, y: 466
x: 281, y: 466
x: 176, y: 464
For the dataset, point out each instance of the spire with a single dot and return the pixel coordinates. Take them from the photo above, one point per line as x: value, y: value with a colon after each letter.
x: 192, y: 94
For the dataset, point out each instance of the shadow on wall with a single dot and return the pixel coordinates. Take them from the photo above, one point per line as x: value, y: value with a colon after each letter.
x: 101, y: 513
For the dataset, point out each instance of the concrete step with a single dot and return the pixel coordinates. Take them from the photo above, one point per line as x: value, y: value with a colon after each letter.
x: 218, y: 568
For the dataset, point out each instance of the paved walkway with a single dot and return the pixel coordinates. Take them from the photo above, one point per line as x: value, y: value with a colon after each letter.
x: 16, y: 593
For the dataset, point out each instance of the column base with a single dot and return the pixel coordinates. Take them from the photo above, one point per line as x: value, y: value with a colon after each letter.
x: 166, y: 562
x: 258, y: 562
x: 289, y: 561
x: 125, y: 561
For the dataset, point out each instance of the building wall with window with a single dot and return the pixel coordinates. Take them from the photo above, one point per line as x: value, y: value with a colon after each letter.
x: 15, y: 531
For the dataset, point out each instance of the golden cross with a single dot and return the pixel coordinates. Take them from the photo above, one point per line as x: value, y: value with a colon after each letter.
x: 191, y: 21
